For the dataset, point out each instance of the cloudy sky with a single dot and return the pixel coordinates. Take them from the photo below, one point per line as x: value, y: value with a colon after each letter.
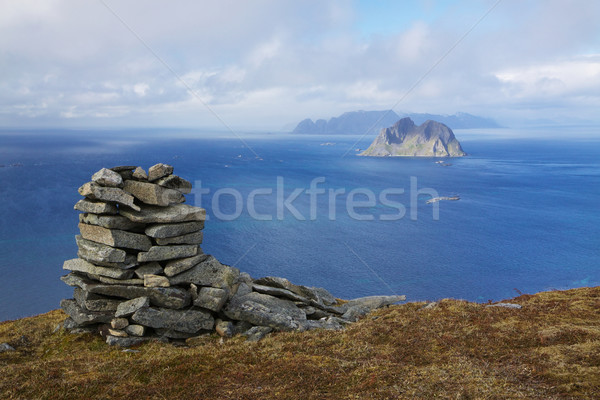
x: 265, y: 64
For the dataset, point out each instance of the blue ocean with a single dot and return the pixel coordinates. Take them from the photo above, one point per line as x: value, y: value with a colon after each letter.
x: 528, y: 218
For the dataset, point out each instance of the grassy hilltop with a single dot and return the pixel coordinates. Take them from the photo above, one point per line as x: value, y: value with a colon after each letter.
x: 548, y: 349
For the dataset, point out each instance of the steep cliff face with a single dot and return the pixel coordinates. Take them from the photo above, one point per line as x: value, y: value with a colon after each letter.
x: 404, y: 138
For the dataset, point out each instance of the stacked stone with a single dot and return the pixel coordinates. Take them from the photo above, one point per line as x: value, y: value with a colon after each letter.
x: 141, y: 273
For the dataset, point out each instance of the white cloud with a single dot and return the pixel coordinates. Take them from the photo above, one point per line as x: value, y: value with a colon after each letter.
x: 556, y: 79
x: 268, y: 63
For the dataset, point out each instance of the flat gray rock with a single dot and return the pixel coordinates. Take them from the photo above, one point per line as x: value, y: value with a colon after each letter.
x: 93, y: 251
x: 171, y: 230
x: 96, y: 207
x: 127, y: 308
x: 175, y: 182
x: 6, y: 347
x: 115, y: 237
x: 125, y: 341
x: 161, y: 297
x: 107, y: 177
x: 161, y: 253
x: 79, y: 265
x: 188, y: 321
x: 355, y: 312
x: 374, y: 302
x: 209, y: 272
x: 149, y: 193
x: 506, y: 305
x: 94, y: 191
x: 158, y: 171
x: 178, y: 266
x: 82, y: 316
x: 164, y: 215
x: 264, y: 310
x: 109, y: 221
x: 211, y: 298
x: 190, y: 238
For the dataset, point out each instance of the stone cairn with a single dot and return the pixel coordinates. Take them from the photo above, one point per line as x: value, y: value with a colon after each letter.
x: 141, y: 274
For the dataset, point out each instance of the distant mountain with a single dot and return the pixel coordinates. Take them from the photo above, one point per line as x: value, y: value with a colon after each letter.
x: 349, y: 123
x: 457, y: 121
x: 404, y: 138
x: 370, y: 122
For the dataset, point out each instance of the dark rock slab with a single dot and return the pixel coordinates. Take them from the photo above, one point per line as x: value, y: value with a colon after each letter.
x: 82, y: 316
x: 161, y: 297
x: 188, y: 321
x: 178, y: 266
x: 122, y: 168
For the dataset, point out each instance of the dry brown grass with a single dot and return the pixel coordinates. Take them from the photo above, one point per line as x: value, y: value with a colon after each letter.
x: 549, y: 349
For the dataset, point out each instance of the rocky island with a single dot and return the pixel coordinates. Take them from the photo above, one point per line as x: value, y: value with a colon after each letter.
x: 404, y: 138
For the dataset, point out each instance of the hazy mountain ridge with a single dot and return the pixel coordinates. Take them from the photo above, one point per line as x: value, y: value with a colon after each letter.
x: 366, y: 122
x: 404, y: 138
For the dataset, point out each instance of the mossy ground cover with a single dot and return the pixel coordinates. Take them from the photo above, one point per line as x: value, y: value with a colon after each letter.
x: 548, y: 349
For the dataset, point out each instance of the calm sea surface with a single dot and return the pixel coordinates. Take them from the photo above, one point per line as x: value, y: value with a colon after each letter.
x: 528, y: 219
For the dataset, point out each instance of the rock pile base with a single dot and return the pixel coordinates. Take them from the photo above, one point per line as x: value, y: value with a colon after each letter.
x: 141, y: 273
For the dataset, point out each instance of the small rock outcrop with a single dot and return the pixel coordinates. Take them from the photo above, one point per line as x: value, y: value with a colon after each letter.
x: 141, y: 274
x: 404, y: 138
